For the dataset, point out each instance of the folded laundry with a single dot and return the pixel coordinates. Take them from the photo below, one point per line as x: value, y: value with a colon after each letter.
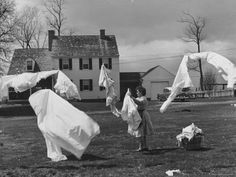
x: 190, y: 136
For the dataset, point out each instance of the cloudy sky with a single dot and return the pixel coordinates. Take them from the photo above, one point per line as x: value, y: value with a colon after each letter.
x: 148, y: 32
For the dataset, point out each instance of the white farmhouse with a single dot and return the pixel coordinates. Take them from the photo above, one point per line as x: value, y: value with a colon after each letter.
x: 78, y: 56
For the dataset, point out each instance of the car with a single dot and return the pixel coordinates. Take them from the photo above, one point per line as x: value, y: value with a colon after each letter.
x: 183, y: 96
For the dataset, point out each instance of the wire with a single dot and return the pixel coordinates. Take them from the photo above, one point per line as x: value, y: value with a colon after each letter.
x: 163, y: 57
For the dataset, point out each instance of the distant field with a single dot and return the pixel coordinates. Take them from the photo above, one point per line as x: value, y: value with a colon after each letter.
x: 23, y: 150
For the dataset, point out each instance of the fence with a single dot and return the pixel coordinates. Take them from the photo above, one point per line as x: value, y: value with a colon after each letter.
x: 212, y: 93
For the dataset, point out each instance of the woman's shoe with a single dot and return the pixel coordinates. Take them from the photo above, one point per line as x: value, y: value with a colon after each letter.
x: 138, y: 150
x: 141, y: 149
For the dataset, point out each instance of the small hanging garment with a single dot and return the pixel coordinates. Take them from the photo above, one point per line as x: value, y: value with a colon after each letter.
x: 111, y: 96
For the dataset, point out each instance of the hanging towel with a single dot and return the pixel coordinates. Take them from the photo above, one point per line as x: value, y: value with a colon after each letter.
x: 108, y: 83
x: 62, y: 125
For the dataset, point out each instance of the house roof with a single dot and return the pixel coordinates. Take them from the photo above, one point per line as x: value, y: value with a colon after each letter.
x: 151, y: 69
x: 40, y: 56
x: 85, y: 46
x: 65, y: 46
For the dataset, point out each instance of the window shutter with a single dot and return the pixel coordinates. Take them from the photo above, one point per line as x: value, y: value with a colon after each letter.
x: 91, y: 84
x: 90, y: 63
x: 100, y: 63
x: 81, y: 84
x: 60, y: 64
x: 70, y: 63
x: 110, y: 63
x: 80, y: 63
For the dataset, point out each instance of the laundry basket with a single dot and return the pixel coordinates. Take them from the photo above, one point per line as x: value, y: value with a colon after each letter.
x: 193, y: 144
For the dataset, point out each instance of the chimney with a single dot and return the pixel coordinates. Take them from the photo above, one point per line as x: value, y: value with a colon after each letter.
x: 51, y: 36
x: 102, y: 34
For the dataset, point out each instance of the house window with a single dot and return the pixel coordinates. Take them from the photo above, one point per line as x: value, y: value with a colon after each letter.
x: 85, y: 63
x: 29, y: 65
x: 106, y: 61
x: 65, y: 63
x: 86, y: 84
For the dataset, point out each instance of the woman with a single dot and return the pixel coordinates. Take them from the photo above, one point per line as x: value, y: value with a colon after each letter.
x: 145, y: 127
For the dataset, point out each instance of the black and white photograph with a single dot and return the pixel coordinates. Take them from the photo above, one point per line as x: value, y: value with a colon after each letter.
x: 111, y: 88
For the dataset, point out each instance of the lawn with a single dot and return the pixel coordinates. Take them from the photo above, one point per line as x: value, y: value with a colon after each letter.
x: 111, y: 153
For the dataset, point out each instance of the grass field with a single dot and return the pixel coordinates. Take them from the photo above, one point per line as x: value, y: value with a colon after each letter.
x: 23, y: 150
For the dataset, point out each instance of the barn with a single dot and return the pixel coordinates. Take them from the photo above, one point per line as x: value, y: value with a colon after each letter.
x: 155, y: 80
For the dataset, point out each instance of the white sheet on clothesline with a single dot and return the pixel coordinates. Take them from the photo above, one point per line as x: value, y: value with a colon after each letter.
x: 22, y: 82
x: 182, y: 79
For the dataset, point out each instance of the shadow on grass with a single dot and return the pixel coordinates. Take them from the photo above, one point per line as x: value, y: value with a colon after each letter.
x: 166, y: 150
x: 99, y: 166
x: 160, y: 151
x: 85, y: 157
x: 200, y: 149
x: 69, y: 167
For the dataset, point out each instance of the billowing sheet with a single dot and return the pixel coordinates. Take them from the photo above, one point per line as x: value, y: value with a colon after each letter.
x: 182, y: 80
x: 224, y: 66
x: 108, y: 83
x: 62, y: 125
x: 25, y: 81
x: 4, y: 91
x: 64, y: 86
x: 130, y: 114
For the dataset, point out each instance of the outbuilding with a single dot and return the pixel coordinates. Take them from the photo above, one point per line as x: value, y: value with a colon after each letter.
x: 155, y: 80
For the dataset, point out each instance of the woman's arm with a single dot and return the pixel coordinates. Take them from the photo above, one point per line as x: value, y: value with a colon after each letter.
x: 138, y: 102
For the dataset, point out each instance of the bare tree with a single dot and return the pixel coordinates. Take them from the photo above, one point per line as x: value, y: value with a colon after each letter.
x: 209, y: 80
x: 194, y: 33
x: 7, y: 23
x: 40, y: 37
x: 27, y: 25
x: 55, y: 18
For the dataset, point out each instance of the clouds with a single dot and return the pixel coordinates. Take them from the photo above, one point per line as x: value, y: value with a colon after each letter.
x: 167, y: 53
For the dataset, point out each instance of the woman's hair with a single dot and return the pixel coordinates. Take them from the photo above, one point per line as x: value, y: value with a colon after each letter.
x: 141, y: 89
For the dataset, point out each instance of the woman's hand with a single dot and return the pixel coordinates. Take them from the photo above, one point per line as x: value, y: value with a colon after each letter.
x: 128, y: 92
